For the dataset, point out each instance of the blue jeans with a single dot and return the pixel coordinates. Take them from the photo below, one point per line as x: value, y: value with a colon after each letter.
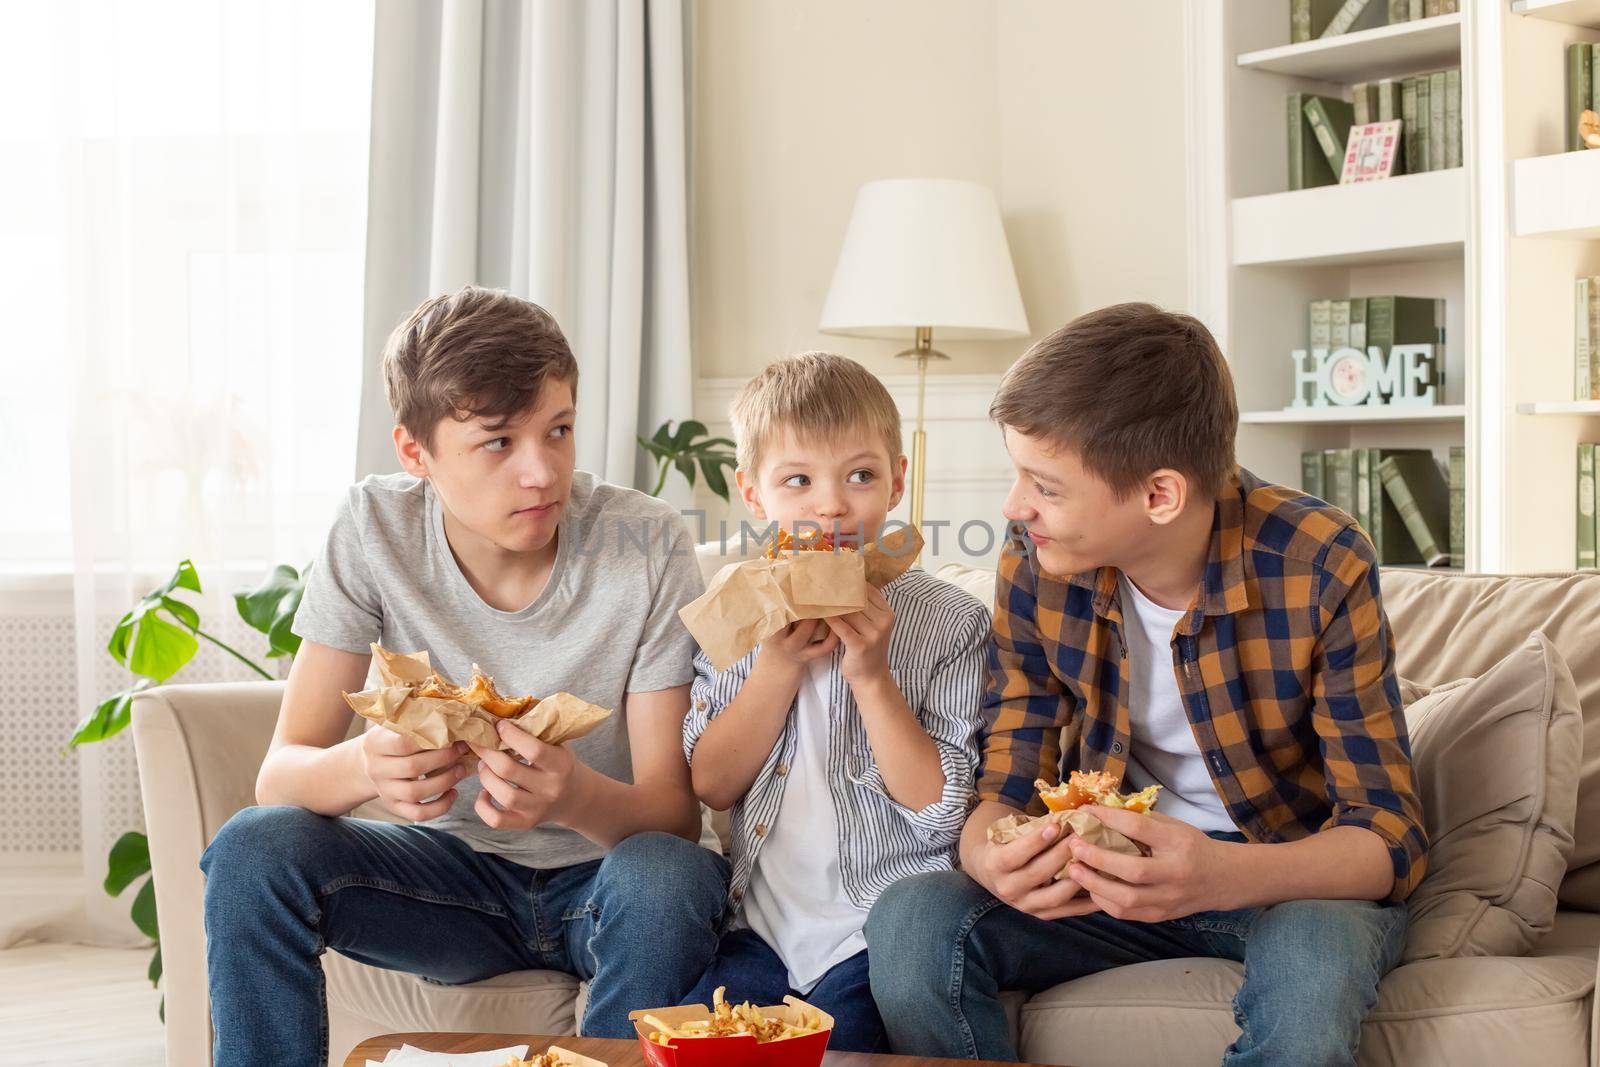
x: 283, y: 884
x: 943, y: 949
x: 752, y: 971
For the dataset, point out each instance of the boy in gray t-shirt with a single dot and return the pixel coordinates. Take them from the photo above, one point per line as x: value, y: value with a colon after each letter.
x: 490, y: 550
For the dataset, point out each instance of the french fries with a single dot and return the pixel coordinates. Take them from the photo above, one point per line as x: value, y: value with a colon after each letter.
x: 1093, y: 787
x: 809, y: 540
x: 736, y: 1020
x: 554, y: 1057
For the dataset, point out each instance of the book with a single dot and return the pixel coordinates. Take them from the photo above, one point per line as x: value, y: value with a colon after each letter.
x: 1321, y: 335
x: 1582, y: 343
x: 1458, y: 506
x: 1358, y: 323
x: 1580, y: 90
x: 1330, y: 121
x: 1405, y: 320
x: 1339, y: 324
x: 1388, y: 531
x: 1408, y: 123
x: 1311, y: 474
x: 1594, y: 83
x: 1363, y: 511
x: 1424, y: 124
x: 1354, y: 15
x: 1594, y: 338
x: 1418, y: 10
x: 1339, y: 479
x: 1436, y: 125
x: 1308, y: 167
x: 1586, y: 507
x: 1452, y: 117
x: 1308, y: 18
x: 1399, y: 11
x: 1359, y: 104
x: 1389, y: 109
x: 1449, y: 7
x: 1432, y: 8
x: 1422, y: 496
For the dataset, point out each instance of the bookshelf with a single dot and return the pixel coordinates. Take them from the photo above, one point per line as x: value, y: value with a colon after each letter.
x: 1501, y: 239
x: 1573, y: 12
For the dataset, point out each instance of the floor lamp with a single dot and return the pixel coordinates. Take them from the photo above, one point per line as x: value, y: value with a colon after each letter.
x: 920, y: 255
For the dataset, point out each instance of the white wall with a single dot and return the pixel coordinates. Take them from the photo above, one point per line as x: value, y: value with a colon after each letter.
x: 1071, y: 112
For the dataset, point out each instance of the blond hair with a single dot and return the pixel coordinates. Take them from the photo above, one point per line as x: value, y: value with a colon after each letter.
x: 475, y: 352
x: 812, y: 395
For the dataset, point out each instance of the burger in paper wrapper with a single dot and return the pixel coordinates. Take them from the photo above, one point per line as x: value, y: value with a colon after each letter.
x: 555, y: 1056
x: 791, y: 1034
x: 1081, y: 789
x: 798, y: 578
x: 417, y: 702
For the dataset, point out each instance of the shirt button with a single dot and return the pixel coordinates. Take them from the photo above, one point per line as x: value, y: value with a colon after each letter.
x: 761, y: 829
x: 1116, y: 748
x: 738, y: 894
x: 699, y: 705
x: 782, y: 769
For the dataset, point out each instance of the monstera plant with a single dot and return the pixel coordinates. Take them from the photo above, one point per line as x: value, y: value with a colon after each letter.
x: 155, y: 640
x: 681, y: 451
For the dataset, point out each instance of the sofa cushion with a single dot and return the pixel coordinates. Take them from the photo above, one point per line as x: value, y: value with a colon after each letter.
x: 1533, y: 1009
x: 1497, y: 763
x: 1459, y: 625
x: 522, y: 1002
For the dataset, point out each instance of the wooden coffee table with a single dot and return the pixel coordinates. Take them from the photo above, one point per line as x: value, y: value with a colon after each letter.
x: 613, y: 1052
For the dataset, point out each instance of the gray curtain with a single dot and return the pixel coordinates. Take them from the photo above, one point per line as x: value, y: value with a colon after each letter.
x: 538, y: 146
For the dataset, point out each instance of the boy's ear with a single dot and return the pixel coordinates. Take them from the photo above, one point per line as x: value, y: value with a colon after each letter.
x: 413, y: 459
x: 750, y: 494
x: 1166, y: 494
x: 898, y: 467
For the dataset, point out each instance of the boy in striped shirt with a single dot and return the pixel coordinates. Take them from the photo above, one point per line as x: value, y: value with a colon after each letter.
x: 844, y: 746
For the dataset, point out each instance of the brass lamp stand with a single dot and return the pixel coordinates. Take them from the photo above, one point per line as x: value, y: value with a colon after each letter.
x: 922, y: 352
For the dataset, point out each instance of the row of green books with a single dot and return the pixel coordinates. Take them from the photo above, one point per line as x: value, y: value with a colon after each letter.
x: 1583, y: 87
x: 1427, y: 105
x: 1399, y: 496
x: 1310, y: 19
x: 1586, y: 340
x: 1384, y: 321
x: 1588, y: 550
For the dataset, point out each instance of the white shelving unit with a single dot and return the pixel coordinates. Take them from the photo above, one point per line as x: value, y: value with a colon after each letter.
x: 1584, y: 13
x: 1500, y: 239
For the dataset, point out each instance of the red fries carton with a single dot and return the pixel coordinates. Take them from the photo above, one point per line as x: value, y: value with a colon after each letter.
x: 741, y: 1050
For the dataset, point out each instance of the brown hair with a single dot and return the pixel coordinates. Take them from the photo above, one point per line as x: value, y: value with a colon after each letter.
x: 472, y: 353
x: 813, y: 394
x: 1132, y: 389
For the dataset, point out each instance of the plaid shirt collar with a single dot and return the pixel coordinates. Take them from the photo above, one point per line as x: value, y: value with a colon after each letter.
x: 1223, y: 590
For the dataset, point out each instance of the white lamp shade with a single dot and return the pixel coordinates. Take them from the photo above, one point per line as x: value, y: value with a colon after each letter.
x: 925, y: 252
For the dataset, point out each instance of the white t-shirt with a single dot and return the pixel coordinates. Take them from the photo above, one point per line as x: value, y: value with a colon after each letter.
x: 1164, y: 751
x: 796, y: 902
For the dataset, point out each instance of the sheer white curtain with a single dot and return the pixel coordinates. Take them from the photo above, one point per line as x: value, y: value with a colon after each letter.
x: 539, y: 146
x: 182, y: 225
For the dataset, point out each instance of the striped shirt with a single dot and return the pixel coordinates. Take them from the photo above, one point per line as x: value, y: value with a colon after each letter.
x: 1285, y: 663
x: 936, y: 655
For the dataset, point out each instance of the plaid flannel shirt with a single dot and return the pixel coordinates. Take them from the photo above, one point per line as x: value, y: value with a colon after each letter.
x: 1285, y: 663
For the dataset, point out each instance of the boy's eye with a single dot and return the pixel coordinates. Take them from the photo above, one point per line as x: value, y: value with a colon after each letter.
x: 1042, y: 491
x: 498, y: 444
x: 564, y: 430
x: 795, y: 481
x: 860, y: 477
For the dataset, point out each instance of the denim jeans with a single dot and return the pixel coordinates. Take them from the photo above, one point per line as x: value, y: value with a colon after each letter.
x: 283, y: 884
x: 752, y: 971
x: 943, y: 949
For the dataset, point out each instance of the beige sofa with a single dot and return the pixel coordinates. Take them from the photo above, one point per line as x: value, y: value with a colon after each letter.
x: 199, y: 748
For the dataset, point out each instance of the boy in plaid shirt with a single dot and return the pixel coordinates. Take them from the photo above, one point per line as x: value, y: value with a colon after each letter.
x: 1171, y: 618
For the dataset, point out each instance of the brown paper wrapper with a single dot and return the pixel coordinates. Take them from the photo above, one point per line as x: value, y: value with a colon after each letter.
x: 434, y: 723
x: 1092, y: 830
x: 746, y: 603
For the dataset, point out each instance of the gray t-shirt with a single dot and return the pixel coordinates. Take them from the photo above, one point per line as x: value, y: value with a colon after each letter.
x: 606, y: 624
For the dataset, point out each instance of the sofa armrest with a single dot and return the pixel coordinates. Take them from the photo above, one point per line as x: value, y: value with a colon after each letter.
x: 199, y: 748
